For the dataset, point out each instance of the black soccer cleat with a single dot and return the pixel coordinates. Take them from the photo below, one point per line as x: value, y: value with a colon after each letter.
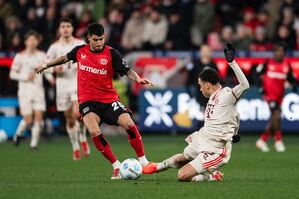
x: 16, y: 140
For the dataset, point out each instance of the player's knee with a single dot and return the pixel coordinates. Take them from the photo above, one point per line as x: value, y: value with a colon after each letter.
x: 183, y: 175
x: 128, y: 125
x: 29, y: 123
x: 94, y: 132
x: 71, y: 122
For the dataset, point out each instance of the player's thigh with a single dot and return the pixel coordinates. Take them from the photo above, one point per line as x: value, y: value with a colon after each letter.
x: 276, y: 114
x: 63, y: 101
x: 112, y: 113
x: 125, y: 120
x: 76, y: 109
x: 91, y: 120
x: 39, y: 101
x: 26, y: 105
x: 69, y: 114
x: 190, y: 153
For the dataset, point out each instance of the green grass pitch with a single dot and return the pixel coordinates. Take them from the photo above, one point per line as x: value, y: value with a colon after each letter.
x: 51, y: 173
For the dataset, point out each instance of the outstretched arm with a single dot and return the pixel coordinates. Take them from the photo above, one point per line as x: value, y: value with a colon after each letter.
x: 132, y: 75
x: 243, y: 85
x: 243, y: 82
x: 55, y: 62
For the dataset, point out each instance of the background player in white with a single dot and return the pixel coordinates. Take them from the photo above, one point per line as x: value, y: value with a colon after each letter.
x: 210, y: 147
x: 66, y: 87
x: 31, y: 91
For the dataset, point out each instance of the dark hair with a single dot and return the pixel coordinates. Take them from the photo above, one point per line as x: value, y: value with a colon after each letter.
x: 32, y: 33
x: 280, y: 45
x: 209, y: 75
x: 66, y: 20
x: 95, y: 29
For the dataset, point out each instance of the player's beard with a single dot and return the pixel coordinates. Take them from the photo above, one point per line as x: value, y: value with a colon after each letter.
x: 99, y: 49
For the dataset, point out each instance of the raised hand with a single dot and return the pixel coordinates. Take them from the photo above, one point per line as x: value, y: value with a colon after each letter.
x: 229, y: 52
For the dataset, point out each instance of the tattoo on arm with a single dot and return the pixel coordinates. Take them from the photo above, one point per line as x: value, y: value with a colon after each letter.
x: 132, y: 75
x: 58, y: 61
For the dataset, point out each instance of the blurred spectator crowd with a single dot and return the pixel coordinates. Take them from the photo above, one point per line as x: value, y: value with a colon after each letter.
x: 157, y: 24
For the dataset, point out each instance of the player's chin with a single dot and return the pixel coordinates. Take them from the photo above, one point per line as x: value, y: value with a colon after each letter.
x: 98, y: 48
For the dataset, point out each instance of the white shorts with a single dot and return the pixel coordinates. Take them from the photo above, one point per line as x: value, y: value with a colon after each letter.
x: 30, y: 102
x: 65, y: 100
x: 207, y: 160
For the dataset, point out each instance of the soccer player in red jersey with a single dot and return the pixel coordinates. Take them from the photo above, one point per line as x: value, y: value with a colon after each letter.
x: 272, y: 76
x: 97, y: 64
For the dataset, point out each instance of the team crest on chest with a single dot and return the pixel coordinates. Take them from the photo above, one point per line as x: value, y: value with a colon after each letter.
x: 103, y: 61
x: 83, y: 56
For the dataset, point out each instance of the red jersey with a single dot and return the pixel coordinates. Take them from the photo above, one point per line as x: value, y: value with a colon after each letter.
x: 96, y: 71
x: 275, y: 75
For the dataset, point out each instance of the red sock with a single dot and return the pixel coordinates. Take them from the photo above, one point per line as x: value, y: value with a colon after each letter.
x: 265, y: 136
x: 277, y: 136
x: 135, y: 140
x: 104, y: 147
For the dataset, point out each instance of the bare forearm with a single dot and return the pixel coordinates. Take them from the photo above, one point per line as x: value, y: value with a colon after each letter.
x: 58, y: 61
x: 132, y: 75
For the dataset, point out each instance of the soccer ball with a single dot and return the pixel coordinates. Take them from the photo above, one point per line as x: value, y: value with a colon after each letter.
x: 130, y: 169
x: 3, y: 136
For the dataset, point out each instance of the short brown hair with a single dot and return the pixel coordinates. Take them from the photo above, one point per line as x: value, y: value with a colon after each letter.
x: 32, y: 33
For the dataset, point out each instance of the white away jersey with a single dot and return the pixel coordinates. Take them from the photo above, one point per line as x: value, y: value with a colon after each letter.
x: 66, y: 81
x: 221, y: 116
x: 23, y: 65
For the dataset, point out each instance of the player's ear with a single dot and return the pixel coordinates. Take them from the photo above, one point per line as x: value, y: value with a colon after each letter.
x: 208, y: 85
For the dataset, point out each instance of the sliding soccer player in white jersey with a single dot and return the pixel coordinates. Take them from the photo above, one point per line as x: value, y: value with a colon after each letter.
x: 31, y: 93
x: 210, y: 147
x: 66, y: 87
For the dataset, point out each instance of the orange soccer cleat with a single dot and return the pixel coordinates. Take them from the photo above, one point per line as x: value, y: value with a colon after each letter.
x: 150, y: 168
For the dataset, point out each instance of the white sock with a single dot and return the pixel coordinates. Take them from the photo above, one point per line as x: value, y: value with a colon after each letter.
x: 21, y: 127
x: 82, y: 134
x: 201, y: 178
x: 143, y: 161
x: 35, y: 133
x: 168, y: 163
x: 73, y: 135
x: 116, y: 164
